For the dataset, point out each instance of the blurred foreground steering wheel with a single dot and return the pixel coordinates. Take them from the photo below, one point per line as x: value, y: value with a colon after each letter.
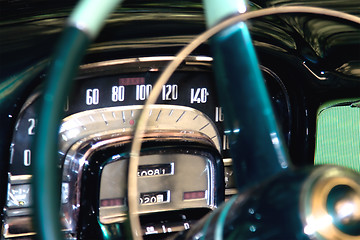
x: 309, y: 202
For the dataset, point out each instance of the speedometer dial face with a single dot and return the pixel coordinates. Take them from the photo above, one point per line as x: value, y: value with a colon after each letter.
x: 190, y: 88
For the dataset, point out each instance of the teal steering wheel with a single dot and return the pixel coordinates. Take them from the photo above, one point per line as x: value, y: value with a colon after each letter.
x: 228, y: 47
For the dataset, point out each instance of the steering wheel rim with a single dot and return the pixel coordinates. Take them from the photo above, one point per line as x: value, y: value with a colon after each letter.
x: 83, y: 42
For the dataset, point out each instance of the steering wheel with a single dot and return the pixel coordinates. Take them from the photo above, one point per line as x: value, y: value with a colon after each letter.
x: 73, y: 44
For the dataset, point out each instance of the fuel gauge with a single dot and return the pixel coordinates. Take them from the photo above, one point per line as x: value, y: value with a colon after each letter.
x: 19, y: 196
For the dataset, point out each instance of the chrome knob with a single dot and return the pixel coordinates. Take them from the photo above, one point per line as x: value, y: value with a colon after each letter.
x: 343, y: 204
x: 331, y: 204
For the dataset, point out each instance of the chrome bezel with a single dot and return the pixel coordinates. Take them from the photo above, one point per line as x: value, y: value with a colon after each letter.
x: 80, y: 154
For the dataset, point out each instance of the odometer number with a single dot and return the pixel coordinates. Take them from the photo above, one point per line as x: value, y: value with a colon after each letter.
x: 155, y: 170
x: 154, y: 197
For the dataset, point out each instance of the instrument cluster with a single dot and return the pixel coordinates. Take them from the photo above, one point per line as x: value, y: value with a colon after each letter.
x: 185, y: 162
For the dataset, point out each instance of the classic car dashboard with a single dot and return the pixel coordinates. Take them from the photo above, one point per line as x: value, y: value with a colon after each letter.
x: 185, y: 166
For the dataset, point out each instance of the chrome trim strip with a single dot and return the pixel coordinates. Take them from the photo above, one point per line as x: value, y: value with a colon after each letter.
x: 18, y: 227
x: 231, y: 191
x: 195, y: 59
x: 314, y: 74
x: 227, y: 162
x: 18, y: 179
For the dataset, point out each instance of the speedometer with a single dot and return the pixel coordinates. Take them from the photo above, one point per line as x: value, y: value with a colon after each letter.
x: 131, y: 83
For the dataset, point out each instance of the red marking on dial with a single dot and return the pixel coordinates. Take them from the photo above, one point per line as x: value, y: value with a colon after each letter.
x: 132, y: 122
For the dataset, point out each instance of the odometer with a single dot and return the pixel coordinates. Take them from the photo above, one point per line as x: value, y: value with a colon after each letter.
x: 154, y: 197
x: 190, y: 185
x: 155, y: 170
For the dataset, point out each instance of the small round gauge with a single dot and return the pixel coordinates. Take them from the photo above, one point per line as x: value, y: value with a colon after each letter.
x: 19, y: 196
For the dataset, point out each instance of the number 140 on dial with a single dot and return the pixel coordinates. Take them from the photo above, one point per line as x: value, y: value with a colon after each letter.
x: 198, y: 95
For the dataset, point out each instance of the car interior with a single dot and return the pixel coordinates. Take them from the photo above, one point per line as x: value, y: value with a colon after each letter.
x: 189, y: 119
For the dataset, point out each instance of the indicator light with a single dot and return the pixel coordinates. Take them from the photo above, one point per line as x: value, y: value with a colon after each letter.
x: 194, y: 195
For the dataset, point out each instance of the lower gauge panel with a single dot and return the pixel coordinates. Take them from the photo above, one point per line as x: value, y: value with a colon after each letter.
x: 176, y: 187
x: 177, y: 179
